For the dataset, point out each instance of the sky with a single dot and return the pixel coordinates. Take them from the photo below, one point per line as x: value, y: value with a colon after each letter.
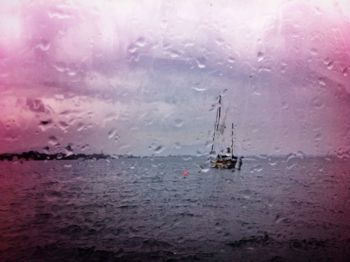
x: 142, y: 77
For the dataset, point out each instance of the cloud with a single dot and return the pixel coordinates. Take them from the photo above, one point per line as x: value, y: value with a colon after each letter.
x: 150, y: 72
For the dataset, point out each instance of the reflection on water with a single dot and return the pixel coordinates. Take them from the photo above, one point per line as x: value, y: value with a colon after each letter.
x: 145, y: 209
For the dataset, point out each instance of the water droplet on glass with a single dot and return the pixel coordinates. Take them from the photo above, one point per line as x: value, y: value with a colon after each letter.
x: 219, y: 41
x: 260, y: 56
x: 179, y: 122
x: 199, y: 89
x: 318, y: 137
x: 330, y: 65
x: 316, y: 102
x: 158, y: 149
x: 177, y: 145
x: 58, y: 14
x: 71, y: 72
x: 63, y: 125
x: 45, y: 124
x: 132, y: 49
x: 322, y: 81
x: 53, y: 141
x: 46, y: 149
x: 205, y: 169
x: 200, y: 153
x: 280, y: 219
x: 173, y: 53
x: 187, y: 158
x: 60, y: 67
x: 201, y: 62
x: 140, y: 42
x: 69, y: 150
x: 345, y: 71
x: 256, y: 169
x: 113, y: 135
x: 10, y: 136
x: 85, y: 147
x: 313, y: 51
x: 44, y: 45
x: 231, y: 60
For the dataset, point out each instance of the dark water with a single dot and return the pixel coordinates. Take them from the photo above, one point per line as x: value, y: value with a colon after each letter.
x: 295, y: 209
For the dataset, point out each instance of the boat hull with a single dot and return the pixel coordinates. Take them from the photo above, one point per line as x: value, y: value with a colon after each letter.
x: 224, y: 163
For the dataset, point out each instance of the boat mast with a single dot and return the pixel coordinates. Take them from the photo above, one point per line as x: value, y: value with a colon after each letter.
x: 232, y: 140
x: 217, y: 123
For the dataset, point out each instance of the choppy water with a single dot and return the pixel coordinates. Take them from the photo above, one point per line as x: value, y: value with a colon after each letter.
x: 295, y: 209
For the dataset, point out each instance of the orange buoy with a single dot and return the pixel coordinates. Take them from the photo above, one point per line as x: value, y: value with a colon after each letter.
x: 185, y: 173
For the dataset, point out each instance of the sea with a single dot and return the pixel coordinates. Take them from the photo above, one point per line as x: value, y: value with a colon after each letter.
x: 175, y: 208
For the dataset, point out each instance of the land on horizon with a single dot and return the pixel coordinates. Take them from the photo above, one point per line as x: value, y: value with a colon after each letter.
x: 36, y: 155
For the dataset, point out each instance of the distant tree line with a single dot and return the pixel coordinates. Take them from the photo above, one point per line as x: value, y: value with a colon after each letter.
x: 34, y: 155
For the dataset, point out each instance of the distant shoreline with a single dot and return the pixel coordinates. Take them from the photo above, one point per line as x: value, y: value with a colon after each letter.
x: 34, y: 155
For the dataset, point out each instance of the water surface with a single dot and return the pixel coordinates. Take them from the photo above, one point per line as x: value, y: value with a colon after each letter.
x: 145, y: 209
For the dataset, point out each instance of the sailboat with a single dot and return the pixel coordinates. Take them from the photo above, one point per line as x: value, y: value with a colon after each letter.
x: 221, y: 159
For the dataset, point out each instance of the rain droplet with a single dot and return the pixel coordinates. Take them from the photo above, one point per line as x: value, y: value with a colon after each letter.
x: 219, y: 41
x: 69, y: 150
x: 199, y: 89
x: 140, y: 42
x: 46, y: 149
x: 10, y: 136
x: 159, y: 149
x: 342, y: 153
x: 45, y: 124
x: 179, y: 122
x: 200, y: 153
x: 205, y: 169
x: 283, y: 67
x: 318, y: 137
x: 58, y: 14
x: 113, y: 135
x: 201, y: 62
x: 80, y: 126
x: 322, y: 81
x: 53, y: 141
x: 63, y: 125
x: 272, y: 163
x: 330, y: 65
x: 256, y: 169
x: 163, y: 23
x: 132, y: 49
x: 280, y: 219
x: 71, y: 72
x: 313, y: 51
x: 44, y: 45
x: 173, y: 53
x: 345, y: 71
x: 60, y: 67
x: 231, y: 60
x: 85, y: 147
x: 316, y: 102
x: 260, y: 56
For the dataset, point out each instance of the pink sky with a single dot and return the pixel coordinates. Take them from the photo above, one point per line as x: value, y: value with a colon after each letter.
x: 130, y: 76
